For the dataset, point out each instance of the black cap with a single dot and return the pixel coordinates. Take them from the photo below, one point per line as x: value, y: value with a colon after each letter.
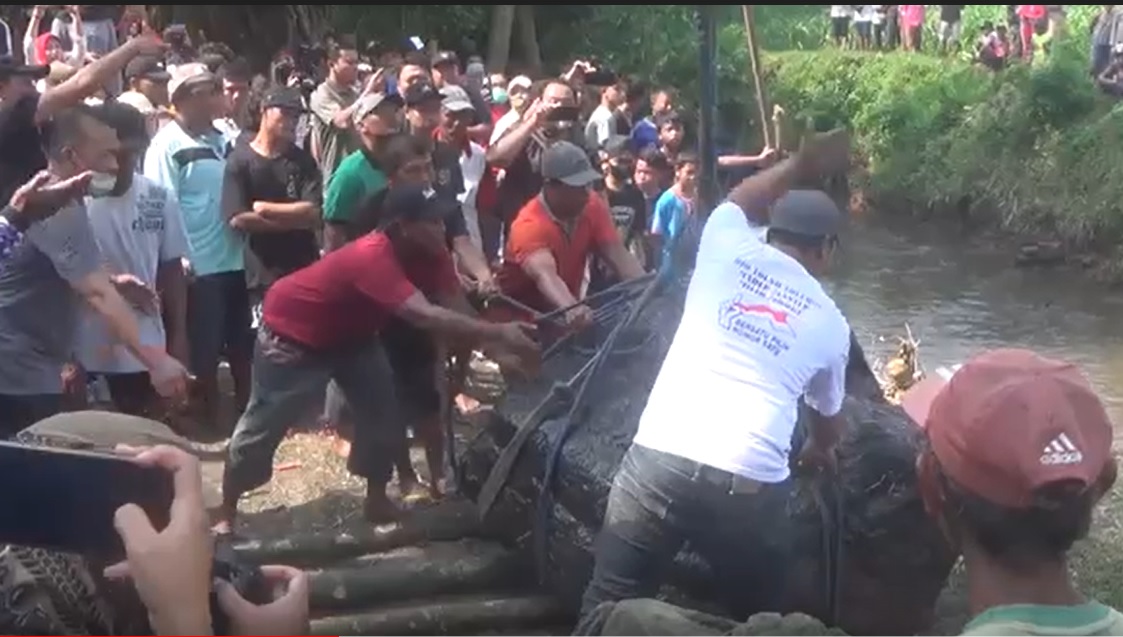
x: 811, y: 213
x: 617, y: 146
x: 422, y: 93
x: 446, y: 57
x: 284, y: 98
x: 415, y: 203
x: 9, y: 68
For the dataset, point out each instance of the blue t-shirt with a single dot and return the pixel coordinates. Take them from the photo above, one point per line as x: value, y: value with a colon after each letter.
x: 644, y: 135
x: 192, y: 169
x: 668, y: 222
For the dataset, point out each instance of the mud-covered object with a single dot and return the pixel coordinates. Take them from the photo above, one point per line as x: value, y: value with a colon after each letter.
x: 894, y: 561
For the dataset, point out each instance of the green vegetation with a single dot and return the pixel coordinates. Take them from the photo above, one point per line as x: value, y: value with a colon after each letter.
x: 1032, y: 150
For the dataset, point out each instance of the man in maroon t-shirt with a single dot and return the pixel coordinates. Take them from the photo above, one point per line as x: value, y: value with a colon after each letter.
x: 322, y: 323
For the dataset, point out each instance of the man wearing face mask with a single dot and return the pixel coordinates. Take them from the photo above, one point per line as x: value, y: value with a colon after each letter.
x: 139, y: 231
x: 360, y: 175
x: 550, y: 118
x: 58, y: 263
x: 271, y: 193
x: 625, y: 202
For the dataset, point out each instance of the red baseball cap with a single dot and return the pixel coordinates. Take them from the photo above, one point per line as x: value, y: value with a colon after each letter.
x: 1009, y: 422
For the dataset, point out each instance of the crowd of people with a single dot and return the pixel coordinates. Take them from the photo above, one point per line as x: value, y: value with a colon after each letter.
x: 340, y: 229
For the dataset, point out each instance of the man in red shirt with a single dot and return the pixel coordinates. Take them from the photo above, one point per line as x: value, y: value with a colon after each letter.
x: 322, y: 323
x: 556, y: 232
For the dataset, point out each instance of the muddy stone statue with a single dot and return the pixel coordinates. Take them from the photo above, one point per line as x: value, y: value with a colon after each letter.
x: 892, y: 561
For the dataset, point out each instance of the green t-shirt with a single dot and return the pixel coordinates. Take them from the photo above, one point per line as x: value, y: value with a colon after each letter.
x: 356, y: 179
x: 1092, y: 618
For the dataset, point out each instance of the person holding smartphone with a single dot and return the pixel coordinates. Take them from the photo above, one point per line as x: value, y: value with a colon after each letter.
x: 163, y: 584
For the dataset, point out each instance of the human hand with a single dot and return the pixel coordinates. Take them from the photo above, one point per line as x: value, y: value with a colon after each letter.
x: 147, y: 44
x: 538, y: 112
x: 168, y: 377
x: 487, y: 287
x: 138, y: 294
x: 579, y: 317
x: 287, y: 614
x: 171, y: 569
x: 38, y: 199
x: 376, y: 83
x: 516, y: 347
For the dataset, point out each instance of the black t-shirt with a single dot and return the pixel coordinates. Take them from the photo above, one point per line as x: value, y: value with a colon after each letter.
x: 951, y: 13
x: 448, y: 179
x: 21, y: 144
x: 629, y: 210
x: 291, y: 177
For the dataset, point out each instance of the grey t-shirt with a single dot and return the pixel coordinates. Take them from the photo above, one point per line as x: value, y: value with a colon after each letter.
x: 330, y: 143
x: 135, y: 234
x: 38, y: 308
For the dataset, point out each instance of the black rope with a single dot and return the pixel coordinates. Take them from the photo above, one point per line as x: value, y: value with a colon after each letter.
x: 569, y: 422
x: 833, y: 538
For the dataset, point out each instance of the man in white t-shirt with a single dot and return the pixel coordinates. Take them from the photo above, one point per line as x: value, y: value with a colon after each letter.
x: 140, y: 234
x: 758, y: 335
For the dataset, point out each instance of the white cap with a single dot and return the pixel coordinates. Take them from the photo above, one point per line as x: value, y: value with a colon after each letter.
x: 519, y: 81
x: 185, y: 74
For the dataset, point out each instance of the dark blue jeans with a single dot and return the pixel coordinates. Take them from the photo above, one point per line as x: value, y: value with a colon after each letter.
x: 658, y: 503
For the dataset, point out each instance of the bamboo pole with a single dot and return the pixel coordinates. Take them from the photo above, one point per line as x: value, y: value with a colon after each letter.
x: 755, y: 70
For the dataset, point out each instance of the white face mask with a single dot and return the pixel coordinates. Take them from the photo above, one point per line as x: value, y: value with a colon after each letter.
x: 102, y: 184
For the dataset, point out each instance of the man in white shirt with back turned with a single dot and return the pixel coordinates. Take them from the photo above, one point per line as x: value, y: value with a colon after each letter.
x: 758, y: 335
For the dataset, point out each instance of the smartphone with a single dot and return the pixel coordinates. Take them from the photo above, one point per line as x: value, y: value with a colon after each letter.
x: 563, y: 114
x: 65, y: 500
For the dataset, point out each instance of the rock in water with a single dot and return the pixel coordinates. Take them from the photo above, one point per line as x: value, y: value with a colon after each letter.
x: 894, y: 561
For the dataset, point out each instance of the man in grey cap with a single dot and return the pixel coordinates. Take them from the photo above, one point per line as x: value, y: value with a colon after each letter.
x: 758, y: 337
x: 555, y: 233
x: 360, y: 174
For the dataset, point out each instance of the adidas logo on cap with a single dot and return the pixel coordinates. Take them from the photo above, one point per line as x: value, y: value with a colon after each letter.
x: 1061, y: 451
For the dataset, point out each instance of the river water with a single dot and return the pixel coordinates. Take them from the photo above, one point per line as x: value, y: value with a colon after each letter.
x: 962, y: 296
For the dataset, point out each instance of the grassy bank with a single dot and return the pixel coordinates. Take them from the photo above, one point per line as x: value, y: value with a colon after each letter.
x: 1032, y: 150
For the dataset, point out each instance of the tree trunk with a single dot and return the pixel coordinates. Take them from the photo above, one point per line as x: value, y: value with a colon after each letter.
x: 499, y: 40
x: 528, y: 37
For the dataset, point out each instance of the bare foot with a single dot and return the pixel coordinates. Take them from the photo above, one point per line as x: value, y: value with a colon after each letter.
x: 378, y: 509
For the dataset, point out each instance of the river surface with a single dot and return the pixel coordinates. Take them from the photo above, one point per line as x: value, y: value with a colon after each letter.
x: 962, y: 296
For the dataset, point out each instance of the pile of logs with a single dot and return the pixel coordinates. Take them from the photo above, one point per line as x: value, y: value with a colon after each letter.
x: 432, y: 575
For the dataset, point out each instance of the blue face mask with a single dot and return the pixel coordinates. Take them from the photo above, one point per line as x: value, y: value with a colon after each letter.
x: 499, y: 95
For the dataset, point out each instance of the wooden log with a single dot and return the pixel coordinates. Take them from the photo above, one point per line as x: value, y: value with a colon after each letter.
x: 448, y: 521
x: 417, y: 573
x: 457, y: 616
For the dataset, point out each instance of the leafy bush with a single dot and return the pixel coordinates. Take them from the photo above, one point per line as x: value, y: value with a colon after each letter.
x: 1035, y: 148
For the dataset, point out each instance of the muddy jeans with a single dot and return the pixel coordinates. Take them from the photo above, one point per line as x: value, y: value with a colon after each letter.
x: 659, y: 502
x: 289, y: 380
